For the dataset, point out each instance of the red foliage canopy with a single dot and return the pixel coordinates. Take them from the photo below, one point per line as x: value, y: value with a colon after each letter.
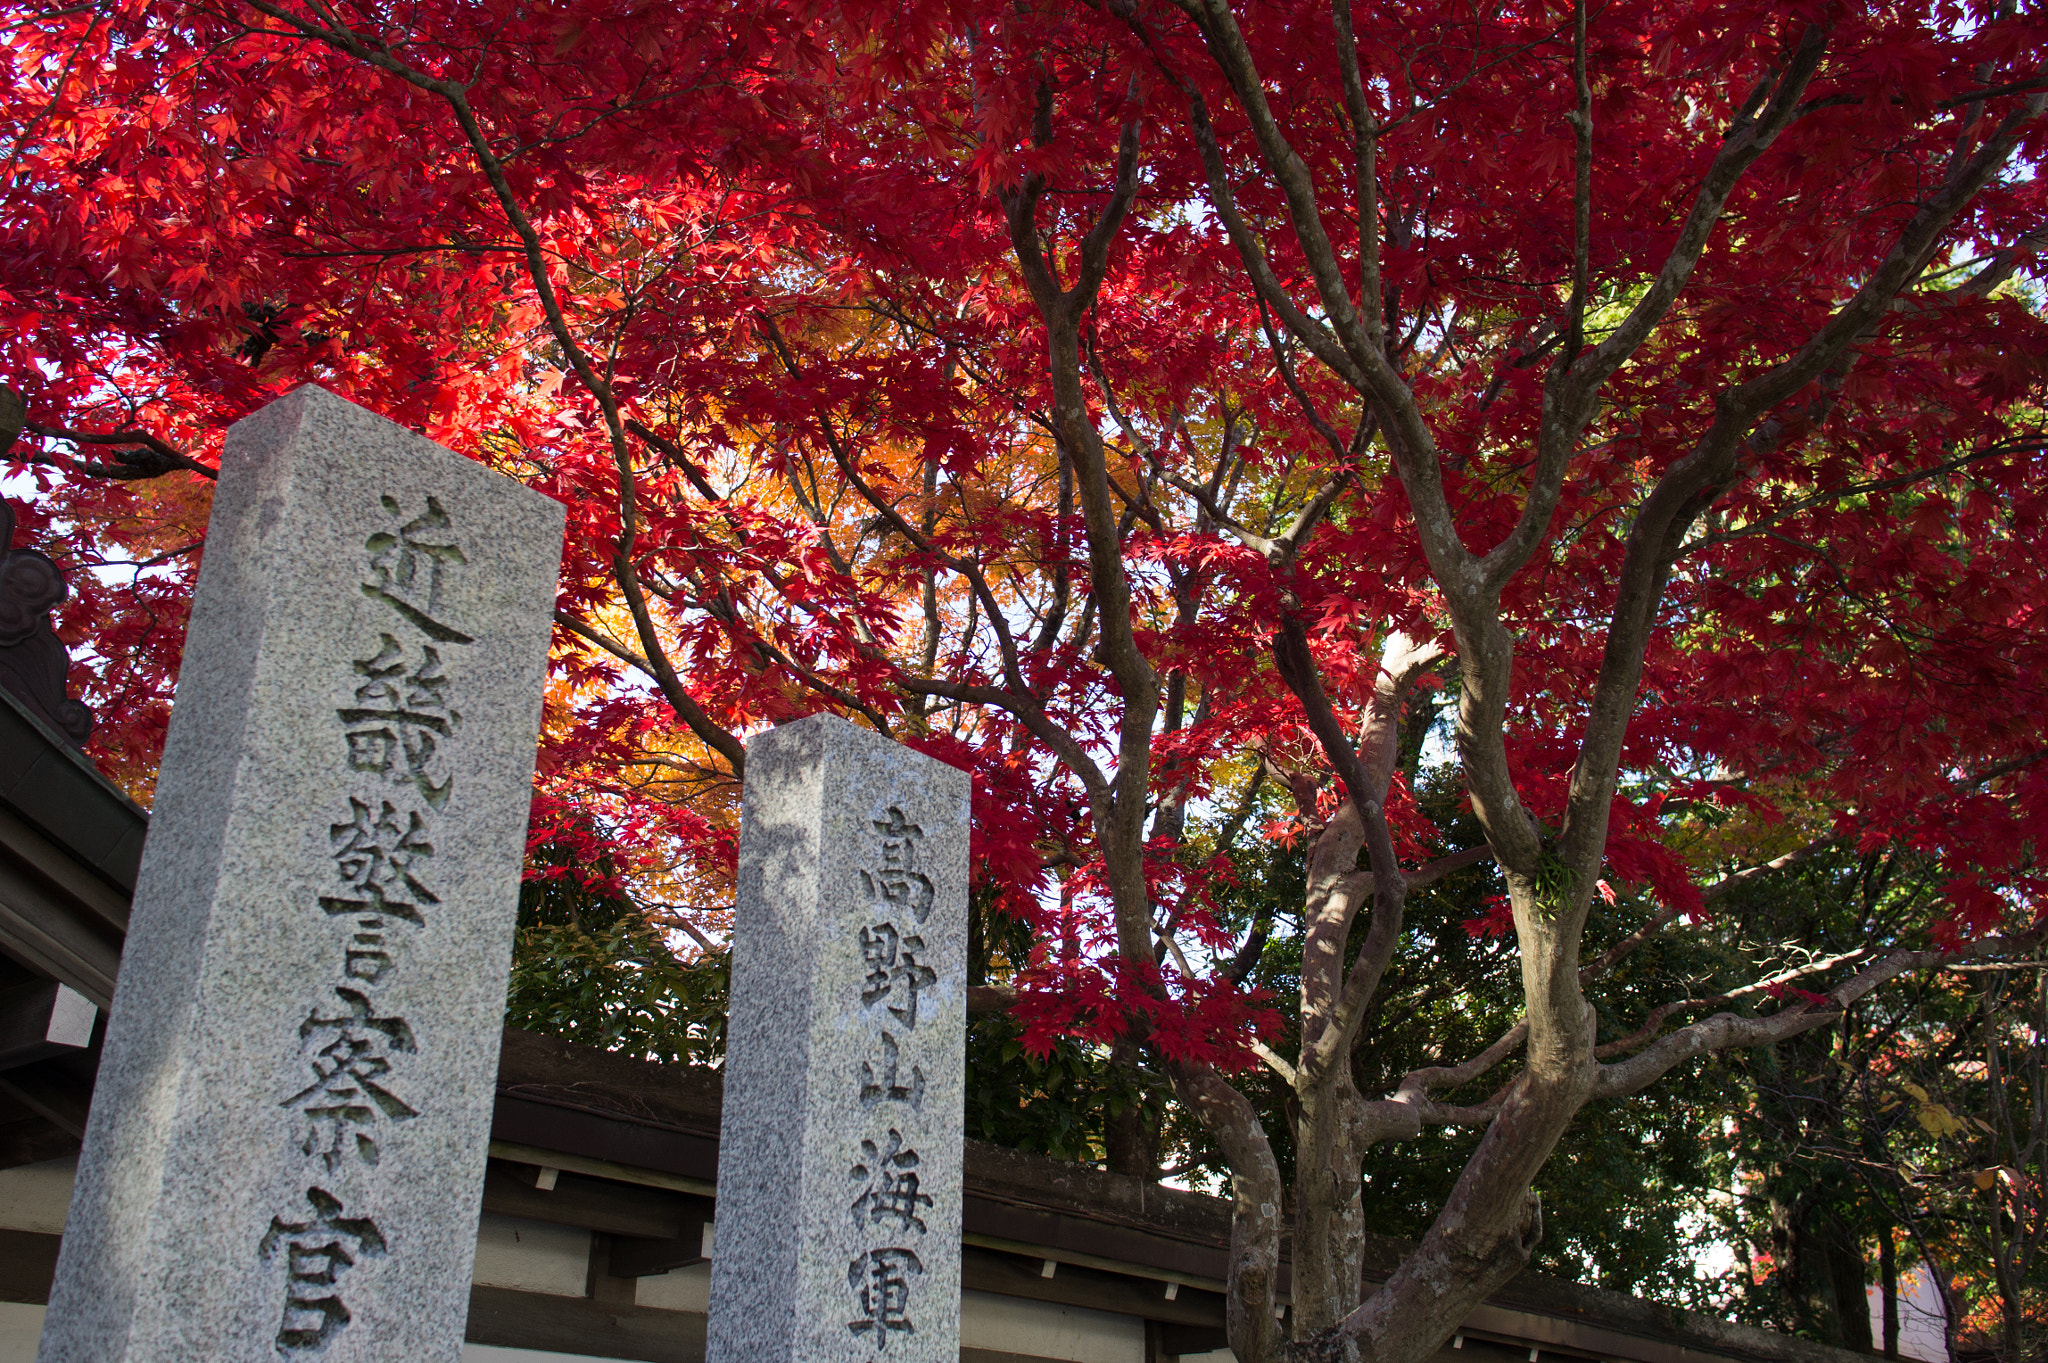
x: 775, y: 231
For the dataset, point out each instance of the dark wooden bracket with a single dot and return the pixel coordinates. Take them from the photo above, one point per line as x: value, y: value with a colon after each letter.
x: 633, y: 1257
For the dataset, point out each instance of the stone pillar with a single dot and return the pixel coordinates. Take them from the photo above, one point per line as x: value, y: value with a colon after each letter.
x: 286, y: 1150
x: 839, y: 1186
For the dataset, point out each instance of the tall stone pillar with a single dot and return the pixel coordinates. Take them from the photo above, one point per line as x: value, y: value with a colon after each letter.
x: 286, y: 1150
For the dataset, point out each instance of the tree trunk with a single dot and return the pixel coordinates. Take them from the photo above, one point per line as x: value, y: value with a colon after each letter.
x: 1131, y: 1137
x: 1846, y: 1273
x: 1820, y: 1272
x: 1329, y: 1214
x: 1807, y: 1302
x: 1888, y: 1267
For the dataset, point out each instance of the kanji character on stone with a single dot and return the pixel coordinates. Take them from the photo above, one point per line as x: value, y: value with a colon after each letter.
x: 399, y: 718
x: 896, y: 881
x: 889, y: 1086
x: 408, y: 568
x: 317, y: 1251
x: 374, y: 851
x: 887, y: 1177
x: 347, y: 1104
x: 893, y: 971
x: 374, y: 903
x: 880, y: 1280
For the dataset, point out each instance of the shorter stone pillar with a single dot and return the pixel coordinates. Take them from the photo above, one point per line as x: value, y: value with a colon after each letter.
x: 839, y: 1189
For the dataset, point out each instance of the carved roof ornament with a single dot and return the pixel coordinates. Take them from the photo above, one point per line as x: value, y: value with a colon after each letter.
x: 33, y: 662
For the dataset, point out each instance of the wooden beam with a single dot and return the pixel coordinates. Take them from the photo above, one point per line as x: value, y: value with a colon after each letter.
x: 28, y: 1139
x: 600, y: 1284
x: 552, y: 1122
x: 53, y: 786
x: 1095, y: 1243
x: 576, y: 1325
x: 53, y: 913
x: 1011, y: 1275
x: 589, y: 1203
x: 59, y: 1098
x: 1175, y: 1340
x: 28, y: 1261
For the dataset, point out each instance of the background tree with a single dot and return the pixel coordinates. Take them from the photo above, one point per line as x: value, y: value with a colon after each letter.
x: 1965, y: 1172
x: 590, y: 962
x: 1908, y: 1136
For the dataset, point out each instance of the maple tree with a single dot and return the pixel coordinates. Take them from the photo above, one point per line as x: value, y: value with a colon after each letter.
x: 1147, y: 406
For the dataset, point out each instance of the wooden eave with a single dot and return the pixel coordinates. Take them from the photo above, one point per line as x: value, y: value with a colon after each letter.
x: 70, y: 843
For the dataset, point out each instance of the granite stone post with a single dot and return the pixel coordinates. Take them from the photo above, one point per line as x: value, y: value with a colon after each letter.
x: 839, y: 1187
x: 286, y: 1150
